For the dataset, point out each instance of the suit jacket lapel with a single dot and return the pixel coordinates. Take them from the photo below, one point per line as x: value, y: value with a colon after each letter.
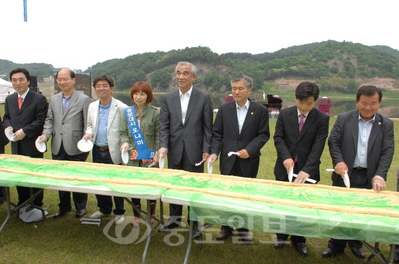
x: 95, y: 120
x: 191, y: 103
x: 177, y: 105
x: 112, y: 112
x: 72, y: 101
x: 248, y: 118
x: 354, y: 125
x: 308, y: 122
x: 374, y: 131
x: 14, y: 101
x: 293, y: 121
x: 232, y: 115
x: 26, y: 101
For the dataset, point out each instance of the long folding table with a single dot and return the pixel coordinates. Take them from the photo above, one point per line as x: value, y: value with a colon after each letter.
x: 305, y: 210
x: 78, y: 177
x: 278, y: 207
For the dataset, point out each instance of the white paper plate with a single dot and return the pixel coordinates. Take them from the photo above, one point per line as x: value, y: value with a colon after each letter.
x: 346, y: 180
x: 125, y: 157
x: 161, y: 163
x: 9, y: 134
x: 41, y: 146
x: 85, y: 145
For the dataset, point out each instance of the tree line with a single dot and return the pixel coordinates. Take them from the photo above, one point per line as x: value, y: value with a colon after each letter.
x: 334, y: 65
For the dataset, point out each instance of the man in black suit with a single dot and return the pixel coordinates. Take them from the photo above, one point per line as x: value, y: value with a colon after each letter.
x: 299, y: 138
x: 361, y: 145
x: 25, y: 112
x: 185, y: 120
x: 241, y: 126
x: 3, y: 143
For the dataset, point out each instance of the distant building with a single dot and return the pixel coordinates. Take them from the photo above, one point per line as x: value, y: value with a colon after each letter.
x: 49, y: 79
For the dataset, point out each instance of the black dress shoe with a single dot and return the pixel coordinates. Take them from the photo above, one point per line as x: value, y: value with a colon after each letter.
x: 301, y: 248
x: 396, y: 254
x: 358, y: 252
x: 245, y: 238
x: 329, y: 253
x: 60, y: 214
x: 167, y: 227
x: 80, y: 213
x: 279, y: 243
x: 197, y: 235
x: 224, y: 234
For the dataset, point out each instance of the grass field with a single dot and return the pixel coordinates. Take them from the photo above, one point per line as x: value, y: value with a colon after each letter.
x: 65, y: 240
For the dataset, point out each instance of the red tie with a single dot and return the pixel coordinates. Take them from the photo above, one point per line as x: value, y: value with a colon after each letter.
x: 20, y: 101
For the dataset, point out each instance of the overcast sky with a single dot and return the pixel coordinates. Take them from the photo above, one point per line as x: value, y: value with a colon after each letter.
x: 79, y: 33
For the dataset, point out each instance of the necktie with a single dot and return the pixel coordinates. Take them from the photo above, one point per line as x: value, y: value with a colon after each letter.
x: 20, y: 101
x: 301, y: 122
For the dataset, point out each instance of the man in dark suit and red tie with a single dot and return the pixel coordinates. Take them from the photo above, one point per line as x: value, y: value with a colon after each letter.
x: 241, y: 126
x: 25, y: 113
x: 3, y: 142
x: 299, y: 138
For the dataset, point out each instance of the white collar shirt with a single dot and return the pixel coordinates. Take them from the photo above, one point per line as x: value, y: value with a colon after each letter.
x: 299, y: 118
x: 184, y: 100
x: 241, y: 114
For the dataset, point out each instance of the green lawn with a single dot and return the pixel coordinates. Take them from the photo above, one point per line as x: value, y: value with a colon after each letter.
x: 65, y: 240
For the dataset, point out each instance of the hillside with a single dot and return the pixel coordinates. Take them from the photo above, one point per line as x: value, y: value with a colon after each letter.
x: 335, y: 66
x: 41, y: 70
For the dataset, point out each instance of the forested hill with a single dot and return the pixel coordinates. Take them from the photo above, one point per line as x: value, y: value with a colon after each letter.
x: 40, y: 70
x: 335, y: 66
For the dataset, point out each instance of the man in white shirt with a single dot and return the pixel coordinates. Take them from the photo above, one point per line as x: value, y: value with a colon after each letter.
x: 185, y: 130
x: 241, y: 126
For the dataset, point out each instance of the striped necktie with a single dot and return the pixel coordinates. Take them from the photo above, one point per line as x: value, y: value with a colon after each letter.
x: 301, y: 122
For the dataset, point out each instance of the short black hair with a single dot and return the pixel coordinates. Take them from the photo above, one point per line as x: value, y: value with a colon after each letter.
x: 23, y: 70
x: 103, y: 77
x: 306, y: 89
x: 368, y: 90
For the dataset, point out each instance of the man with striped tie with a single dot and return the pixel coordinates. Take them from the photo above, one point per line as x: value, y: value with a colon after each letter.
x: 300, y: 136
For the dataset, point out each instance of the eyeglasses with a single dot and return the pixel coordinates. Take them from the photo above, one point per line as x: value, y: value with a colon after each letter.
x: 14, y: 80
x: 98, y: 86
x: 63, y: 79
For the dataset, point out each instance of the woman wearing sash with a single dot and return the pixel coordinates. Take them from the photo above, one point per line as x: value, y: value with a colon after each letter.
x: 139, y: 133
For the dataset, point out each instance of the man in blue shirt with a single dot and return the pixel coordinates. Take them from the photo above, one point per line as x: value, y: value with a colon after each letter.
x: 103, y: 120
x: 362, y: 146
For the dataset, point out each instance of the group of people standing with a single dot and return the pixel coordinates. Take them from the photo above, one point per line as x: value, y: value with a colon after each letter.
x: 361, y: 142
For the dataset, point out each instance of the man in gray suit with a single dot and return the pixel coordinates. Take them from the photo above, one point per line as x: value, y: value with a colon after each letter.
x: 361, y: 144
x: 103, y: 122
x: 65, y: 122
x: 185, y: 130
